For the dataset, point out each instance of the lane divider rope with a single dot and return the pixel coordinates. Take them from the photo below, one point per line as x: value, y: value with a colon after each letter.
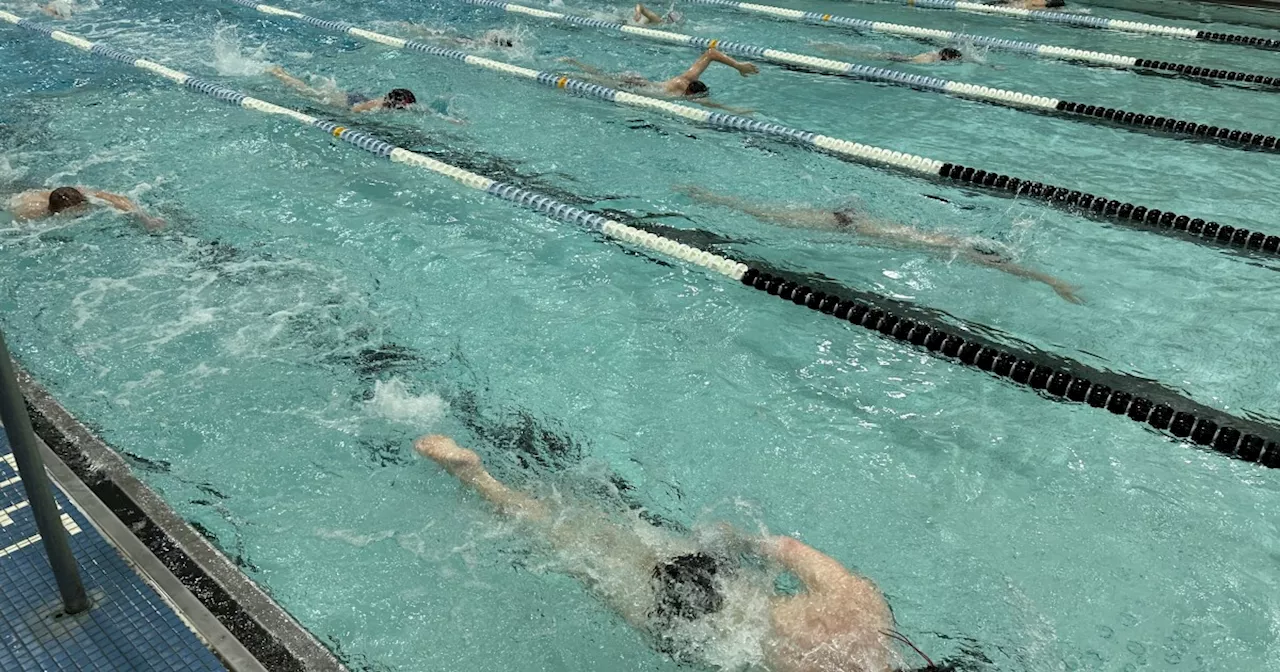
x: 1064, y: 108
x: 1148, y: 219
x: 1256, y: 443
x: 369, y: 143
x: 1017, y: 46
x: 1086, y: 21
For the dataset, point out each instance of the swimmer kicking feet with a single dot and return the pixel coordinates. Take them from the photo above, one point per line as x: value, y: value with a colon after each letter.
x: 851, y: 221
x: 396, y: 99
x: 689, y: 596
x: 687, y: 84
x: 75, y: 202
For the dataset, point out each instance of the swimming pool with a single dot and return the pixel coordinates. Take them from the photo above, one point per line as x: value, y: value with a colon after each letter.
x: 267, y: 362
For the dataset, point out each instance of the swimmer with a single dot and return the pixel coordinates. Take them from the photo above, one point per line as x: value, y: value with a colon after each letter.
x: 1030, y: 4
x: 851, y: 221
x: 396, y: 99
x: 74, y: 202
x: 490, y: 39
x: 943, y: 55
x: 687, y: 84
x: 59, y: 9
x: 644, y: 16
x: 688, y: 594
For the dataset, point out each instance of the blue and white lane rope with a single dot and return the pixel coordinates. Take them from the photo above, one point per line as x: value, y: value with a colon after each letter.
x: 1016, y: 46
x: 1182, y: 418
x: 1067, y: 18
x: 986, y: 94
x: 1148, y: 219
x: 528, y: 199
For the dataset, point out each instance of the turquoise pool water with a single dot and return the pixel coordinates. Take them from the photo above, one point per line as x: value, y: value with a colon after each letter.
x: 267, y: 362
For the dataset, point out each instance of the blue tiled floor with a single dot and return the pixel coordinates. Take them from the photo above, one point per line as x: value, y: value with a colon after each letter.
x: 129, y: 626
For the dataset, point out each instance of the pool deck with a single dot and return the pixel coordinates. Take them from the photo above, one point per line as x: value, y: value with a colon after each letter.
x: 163, y: 598
x: 234, y: 617
x: 129, y: 625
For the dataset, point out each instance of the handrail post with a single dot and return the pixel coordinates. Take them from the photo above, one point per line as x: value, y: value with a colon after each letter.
x: 26, y: 453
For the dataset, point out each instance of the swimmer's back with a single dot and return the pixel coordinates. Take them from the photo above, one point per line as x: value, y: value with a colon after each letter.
x: 32, y: 204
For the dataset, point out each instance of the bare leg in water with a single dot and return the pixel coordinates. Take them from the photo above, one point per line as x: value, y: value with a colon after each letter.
x: 465, y: 466
x: 886, y: 233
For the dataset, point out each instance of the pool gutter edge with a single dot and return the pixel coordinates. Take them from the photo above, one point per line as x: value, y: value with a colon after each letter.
x: 241, y: 622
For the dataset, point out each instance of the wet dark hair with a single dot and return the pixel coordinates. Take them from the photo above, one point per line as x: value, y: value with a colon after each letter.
x: 65, y: 198
x: 696, y: 88
x: 685, y: 587
x: 1055, y: 3
x: 400, y: 99
x: 506, y: 42
x: 950, y: 54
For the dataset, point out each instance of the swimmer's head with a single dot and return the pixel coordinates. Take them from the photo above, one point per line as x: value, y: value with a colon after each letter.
x: 498, y: 38
x: 696, y: 89
x: 685, y: 587
x: 65, y: 198
x: 950, y: 54
x: 398, y: 99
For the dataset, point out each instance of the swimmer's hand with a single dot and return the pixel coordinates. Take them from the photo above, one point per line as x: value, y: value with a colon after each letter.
x: 747, y: 69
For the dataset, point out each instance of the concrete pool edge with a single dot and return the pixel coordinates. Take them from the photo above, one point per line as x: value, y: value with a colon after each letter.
x: 230, y: 612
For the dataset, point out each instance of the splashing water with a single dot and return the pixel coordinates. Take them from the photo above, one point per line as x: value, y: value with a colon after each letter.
x: 229, y: 57
x: 393, y: 400
x: 973, y: 53
x: 10, y: 173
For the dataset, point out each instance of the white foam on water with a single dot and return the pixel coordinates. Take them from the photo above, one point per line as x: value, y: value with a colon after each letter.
x: 393, y: 401
x: 354, y: 538
x: 119, y: 155
x: 973, y: 53
x: 10, y: 173
x: 231, y: 58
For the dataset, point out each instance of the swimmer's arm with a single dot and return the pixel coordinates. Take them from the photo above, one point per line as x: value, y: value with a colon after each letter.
x: 450, y: 118
x: 1061, y: 288
x: 288, y: 79
x: 52, y: 10
x: 819, y: 572
x: 926, y: 57
x: 299, y: 85
x: 127, y: 206
x: 368, y: 105
x: 647, y: 14
x: 590, y: 70
x: 715, y: 56
x: 721, y: 106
